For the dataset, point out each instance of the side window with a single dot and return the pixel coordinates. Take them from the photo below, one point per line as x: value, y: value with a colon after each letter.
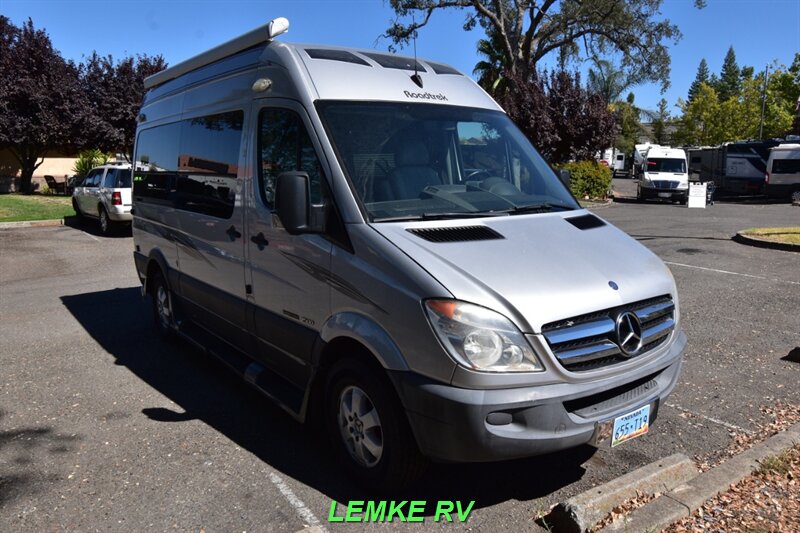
x: 93, y: 179
x: 110, y: 180
x: 208, y: 164
x: 785, y: 166
x: 156, y: 164
x: 285, y: 146
x: 482, y: 151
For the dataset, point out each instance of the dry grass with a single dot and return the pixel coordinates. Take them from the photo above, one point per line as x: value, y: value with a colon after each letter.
x: 790, y: 235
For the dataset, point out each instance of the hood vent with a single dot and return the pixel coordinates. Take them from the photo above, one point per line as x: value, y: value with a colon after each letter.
x: 457, y: 234
x: 585, y: 222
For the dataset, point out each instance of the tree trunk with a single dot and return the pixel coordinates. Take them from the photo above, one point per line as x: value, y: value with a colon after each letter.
x: 27, y: 159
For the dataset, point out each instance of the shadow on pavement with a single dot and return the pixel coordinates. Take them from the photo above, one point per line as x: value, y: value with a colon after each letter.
x: 207, y: 391
x: 92, y: 227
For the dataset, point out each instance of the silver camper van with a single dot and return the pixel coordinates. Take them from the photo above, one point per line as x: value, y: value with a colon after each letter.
x: 368, y: 239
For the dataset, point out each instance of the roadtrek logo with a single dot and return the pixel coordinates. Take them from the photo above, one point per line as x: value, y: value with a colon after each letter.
x: 425, y: 96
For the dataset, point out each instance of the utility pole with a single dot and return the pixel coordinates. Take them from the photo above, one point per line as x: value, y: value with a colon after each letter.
x: 763, y: 104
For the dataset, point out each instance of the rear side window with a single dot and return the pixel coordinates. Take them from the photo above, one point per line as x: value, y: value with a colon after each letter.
x: 284, y: 146
x: 110, y: 180
x: 191, y: 165
x: 786, y: 166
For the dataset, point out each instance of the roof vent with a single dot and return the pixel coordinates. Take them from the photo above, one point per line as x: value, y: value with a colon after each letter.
x: 456, y: 234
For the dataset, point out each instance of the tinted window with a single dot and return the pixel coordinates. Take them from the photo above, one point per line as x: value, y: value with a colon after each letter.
x: 110, y: 181
x: 393, y: 61
x: 93, y: 179
x: 191, y: 165
x: 786, y: 166
x: 285, y: 147
x: 123, y: 178
x: 156, y: 164
x: 335, y: 55
x: 208, y: 163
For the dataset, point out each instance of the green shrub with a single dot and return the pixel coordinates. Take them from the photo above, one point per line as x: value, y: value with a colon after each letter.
x: 87, y: 160
x: 589, y: 179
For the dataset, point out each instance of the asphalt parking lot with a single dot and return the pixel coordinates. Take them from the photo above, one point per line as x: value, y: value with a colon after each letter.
x: 105, y: 427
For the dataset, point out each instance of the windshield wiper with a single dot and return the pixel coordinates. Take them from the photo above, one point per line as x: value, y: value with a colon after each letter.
x: 536, y: 208
x: 442, y: 216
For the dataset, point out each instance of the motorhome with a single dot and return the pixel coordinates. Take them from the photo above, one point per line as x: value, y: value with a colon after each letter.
x: 370, y: 241
x: 662, y: 173
x: 782, y: 177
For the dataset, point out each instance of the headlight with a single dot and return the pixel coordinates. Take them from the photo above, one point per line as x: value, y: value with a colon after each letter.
x: 683, y: 186
x: 481, y: 339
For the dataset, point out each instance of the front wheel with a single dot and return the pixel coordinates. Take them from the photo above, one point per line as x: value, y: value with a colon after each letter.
x: 77, y: 209
x: 369, y: 429
x: 163, y: 307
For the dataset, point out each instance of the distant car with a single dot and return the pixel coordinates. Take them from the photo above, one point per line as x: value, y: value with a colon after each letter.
x: 105, y: 194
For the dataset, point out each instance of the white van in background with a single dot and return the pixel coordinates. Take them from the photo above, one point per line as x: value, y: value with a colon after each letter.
x: 663, y: 174
x: 782, y: 179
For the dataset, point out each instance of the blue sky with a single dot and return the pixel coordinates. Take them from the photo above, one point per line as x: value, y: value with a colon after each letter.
x: 761, y: 31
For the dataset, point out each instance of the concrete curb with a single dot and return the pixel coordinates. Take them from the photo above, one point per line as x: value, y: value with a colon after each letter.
x: 586, y: 509
x: 601, y: 205
x: 741, y: 238
x: 684, y: 499
x: 32, y: 224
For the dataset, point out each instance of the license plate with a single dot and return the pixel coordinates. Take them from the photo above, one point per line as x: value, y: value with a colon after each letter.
x: 634, y: 424
x: 665, y: 195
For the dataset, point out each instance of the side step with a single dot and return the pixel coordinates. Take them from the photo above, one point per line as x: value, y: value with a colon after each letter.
x: 285, y: 394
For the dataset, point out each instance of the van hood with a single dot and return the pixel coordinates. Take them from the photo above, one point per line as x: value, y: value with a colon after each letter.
x: 542, y: 268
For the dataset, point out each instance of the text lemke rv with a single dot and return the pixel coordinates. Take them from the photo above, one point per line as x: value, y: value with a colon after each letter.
x: 407, y: 268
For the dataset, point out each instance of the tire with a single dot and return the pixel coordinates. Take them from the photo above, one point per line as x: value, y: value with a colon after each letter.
x: 163, y: 307
x: 106, y: 226
x: 369, y: 429
x: 77, y: 209
x: 639, y: 197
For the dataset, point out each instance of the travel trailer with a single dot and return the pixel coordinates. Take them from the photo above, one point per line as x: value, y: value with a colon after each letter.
x: 369, y: 240
x: 735, y: 168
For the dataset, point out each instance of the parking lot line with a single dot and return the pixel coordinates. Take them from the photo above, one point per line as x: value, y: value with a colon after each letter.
x: 733, y: 273
x: 728, y: 425
x: 302, y: 510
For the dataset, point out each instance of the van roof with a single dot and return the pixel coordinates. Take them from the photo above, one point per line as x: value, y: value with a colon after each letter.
x: 336, y: 73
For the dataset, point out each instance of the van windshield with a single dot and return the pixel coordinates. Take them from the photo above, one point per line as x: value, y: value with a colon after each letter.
x: 666, y: 165
x: 418, y: 161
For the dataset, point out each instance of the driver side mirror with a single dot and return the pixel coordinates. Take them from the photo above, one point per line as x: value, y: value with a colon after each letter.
x: 565, y: 176
x: 293, y: 206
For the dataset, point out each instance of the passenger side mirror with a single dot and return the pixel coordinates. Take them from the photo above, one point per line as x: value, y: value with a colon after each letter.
x: 293, y: 207
x: 564, y: 175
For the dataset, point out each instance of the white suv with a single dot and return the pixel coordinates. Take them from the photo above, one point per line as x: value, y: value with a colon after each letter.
x: 105, y: 194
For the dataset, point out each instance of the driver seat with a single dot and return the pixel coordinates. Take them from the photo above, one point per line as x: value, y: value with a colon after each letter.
x: 412, y: 172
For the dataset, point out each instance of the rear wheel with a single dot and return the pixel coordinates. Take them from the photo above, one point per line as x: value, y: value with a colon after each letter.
x: 369, y: 429
x: 105, y: 222
x: 795, y: 196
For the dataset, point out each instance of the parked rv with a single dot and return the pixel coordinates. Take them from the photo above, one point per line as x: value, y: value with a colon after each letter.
x: 369, y: 238
x: 735, y: 168
x: 661, y: 173
x: 782, y: 178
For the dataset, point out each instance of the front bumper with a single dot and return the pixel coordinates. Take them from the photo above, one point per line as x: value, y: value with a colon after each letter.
x: 665, y: 194
x: 467, y: 425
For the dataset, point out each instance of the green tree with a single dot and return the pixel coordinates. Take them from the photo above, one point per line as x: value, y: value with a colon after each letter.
x: 490, y: 69
x: 607, y: 80
x: 730, y: 81
x: 701, y: 77
x: 661, y: 121
x: 698, y: 123
x: 630, y: 125
x: 529, y: 30
x: 87, y: 160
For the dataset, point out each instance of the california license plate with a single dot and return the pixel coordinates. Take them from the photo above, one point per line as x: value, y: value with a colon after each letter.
x: 634, y: 424
x: 665, y: 195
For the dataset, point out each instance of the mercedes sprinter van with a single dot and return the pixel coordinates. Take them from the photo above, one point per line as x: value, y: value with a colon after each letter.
x: 368, y: 238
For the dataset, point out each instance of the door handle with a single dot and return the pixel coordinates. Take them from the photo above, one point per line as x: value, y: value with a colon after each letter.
x: 232, y: 233
x: 260, y: 241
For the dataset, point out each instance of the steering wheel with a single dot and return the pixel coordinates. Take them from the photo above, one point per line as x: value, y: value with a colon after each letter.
x: 475, y: 174
x: 499, y: 186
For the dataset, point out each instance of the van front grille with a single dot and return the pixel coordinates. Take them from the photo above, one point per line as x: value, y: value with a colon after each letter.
x: 664, y: 184
x: 590, y: 341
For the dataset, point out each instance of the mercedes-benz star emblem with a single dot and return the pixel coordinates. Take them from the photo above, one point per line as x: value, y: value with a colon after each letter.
x: 629, y: 334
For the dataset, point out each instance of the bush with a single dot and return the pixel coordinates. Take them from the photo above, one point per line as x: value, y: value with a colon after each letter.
x: 87, y: 160
x: 589, y: 179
